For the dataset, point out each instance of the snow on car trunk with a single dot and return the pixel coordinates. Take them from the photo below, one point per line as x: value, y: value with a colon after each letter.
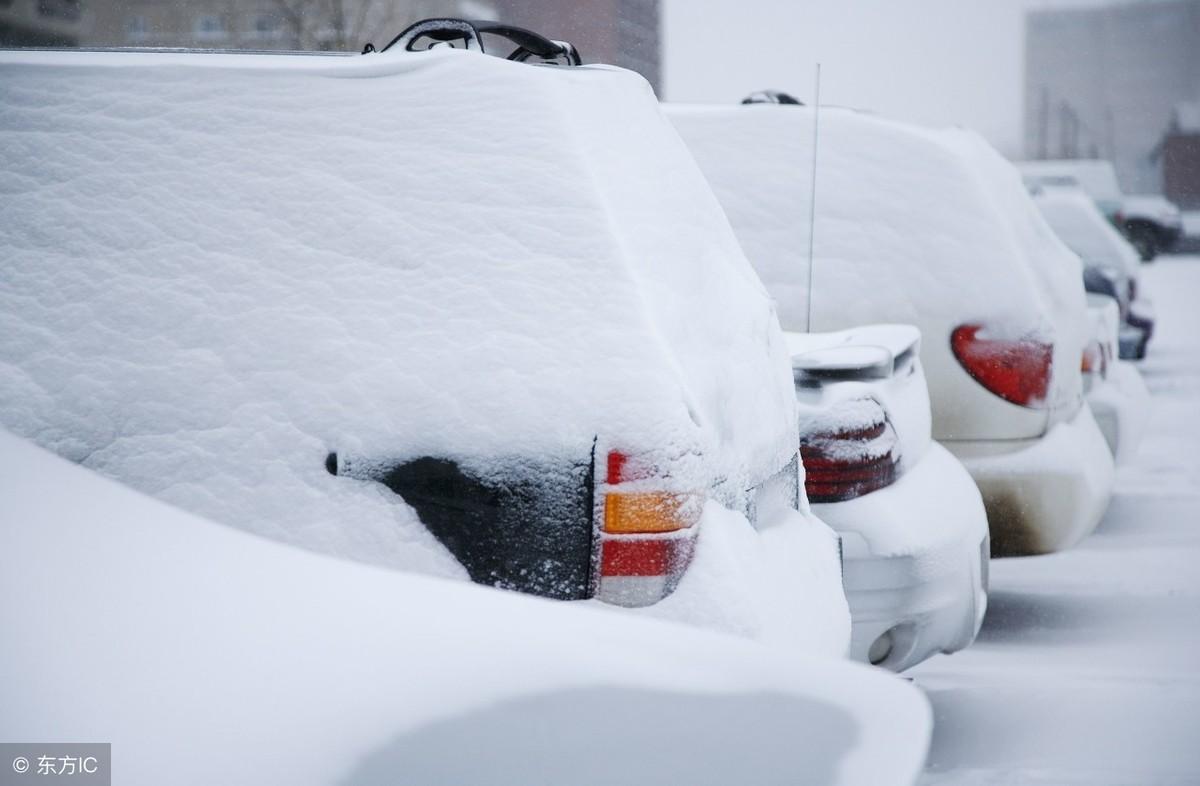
x: 219, y: 268
x: 912, y: 226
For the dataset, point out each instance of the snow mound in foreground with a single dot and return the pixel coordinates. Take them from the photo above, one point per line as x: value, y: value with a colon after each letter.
x: 218, y: 268
x: 166, y: 634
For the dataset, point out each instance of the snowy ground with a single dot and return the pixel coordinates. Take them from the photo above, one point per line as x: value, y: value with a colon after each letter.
x: 1086, y: 670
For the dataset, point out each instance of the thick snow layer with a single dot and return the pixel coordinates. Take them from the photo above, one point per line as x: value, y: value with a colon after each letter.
x: 749, y: 582
x: 1085, y: 230
x: 218, y: 268
x: 930, y: 506
x: 928, y: 227
x: 1096, y: 177
x: 903, y: 395
x: 206, y: 655
x: 1085, y: 671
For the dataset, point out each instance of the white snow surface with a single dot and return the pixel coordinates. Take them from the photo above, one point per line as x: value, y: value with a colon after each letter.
x: 913, y: 225
x: 1085, y: 671
x: 217, y: 268
x: 206, y: 655
x: 903, y: 396
x: 1085, y: 230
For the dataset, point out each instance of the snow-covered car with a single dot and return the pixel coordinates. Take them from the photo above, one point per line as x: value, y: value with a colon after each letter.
x: 131, y: 622
x: 1115, y: 392
x: 913, y: 528
x: 1152, y: 223
x: 934, y: 229
x: 437, y: 311
x: 1110, y: 264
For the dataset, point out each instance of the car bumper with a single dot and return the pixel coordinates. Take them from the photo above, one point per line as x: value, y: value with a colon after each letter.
x: 1120, y: 405
x: 1043, y: 494
x: 915, y: 563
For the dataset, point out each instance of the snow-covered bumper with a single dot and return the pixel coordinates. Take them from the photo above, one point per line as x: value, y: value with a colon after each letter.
x: 1042, y: 494
x: 1120, y: 405
x: 915, y: 563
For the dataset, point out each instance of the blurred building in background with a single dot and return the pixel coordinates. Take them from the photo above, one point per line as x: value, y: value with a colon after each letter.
x: 1109, y: 82
x: 42, y: 22
x: 623, y: 32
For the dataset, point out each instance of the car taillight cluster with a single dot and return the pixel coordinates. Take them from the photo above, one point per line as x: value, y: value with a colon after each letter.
x: 848, y: 450
x: 1015, y: 369
x: 1095, y: 359
x: 646, y: 534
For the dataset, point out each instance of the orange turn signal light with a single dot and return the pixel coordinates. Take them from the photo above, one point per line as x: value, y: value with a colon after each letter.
x: 648, y: 512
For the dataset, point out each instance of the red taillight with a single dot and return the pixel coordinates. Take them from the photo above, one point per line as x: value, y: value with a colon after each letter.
x: 646, y: 533
x: 848, y: 450
x: 1016, y: 370
x: 1094, y: 360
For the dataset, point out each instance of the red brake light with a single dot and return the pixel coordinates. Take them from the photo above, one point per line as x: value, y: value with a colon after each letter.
x: 646, y: 533
x: 1016, y: 370
x: 848, y: 450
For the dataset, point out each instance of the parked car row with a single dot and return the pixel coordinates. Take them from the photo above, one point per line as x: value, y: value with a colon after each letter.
x: 508, y: 319
x: 1151, y: 222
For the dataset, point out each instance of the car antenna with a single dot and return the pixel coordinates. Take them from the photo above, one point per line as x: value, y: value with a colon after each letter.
x: 812, y: 196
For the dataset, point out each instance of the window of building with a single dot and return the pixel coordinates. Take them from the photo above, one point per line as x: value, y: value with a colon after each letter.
x: 68, y: 10
x: 209, y: 26
x: 136, y: 28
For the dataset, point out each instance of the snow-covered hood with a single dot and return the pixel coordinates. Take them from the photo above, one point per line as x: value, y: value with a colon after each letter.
x: 919, y: 226
x: 218, y: 268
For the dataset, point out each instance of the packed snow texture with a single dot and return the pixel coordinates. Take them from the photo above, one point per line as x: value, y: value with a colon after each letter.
x: 218, y: 268
x: 1085, y: 230
x: 919, y: 226
x: 133, y: 622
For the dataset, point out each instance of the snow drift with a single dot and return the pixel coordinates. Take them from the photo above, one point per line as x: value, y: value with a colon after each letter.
x: 169, y: 635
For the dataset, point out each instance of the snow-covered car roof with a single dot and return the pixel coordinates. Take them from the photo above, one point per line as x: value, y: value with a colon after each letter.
x: 923, y: 226
x: 1074, y: 216
x: 1096, y: 177
x: 206, y: 655
x: 218, y: 268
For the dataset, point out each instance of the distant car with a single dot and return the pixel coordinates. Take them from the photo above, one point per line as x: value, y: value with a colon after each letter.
x: 431, y: 310
x: 1110, y: 263
x: 913, y: 528
x: 164, y: 633
x: 935, y: 229
x: 1152, y: 223
x: 1115, y: 391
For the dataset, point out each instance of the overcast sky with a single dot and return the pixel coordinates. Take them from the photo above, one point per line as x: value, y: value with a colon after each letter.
x: 937, y: 62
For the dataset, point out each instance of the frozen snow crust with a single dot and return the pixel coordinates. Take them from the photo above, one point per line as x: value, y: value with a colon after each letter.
x: 913, y: 225
x: 218, y: 268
